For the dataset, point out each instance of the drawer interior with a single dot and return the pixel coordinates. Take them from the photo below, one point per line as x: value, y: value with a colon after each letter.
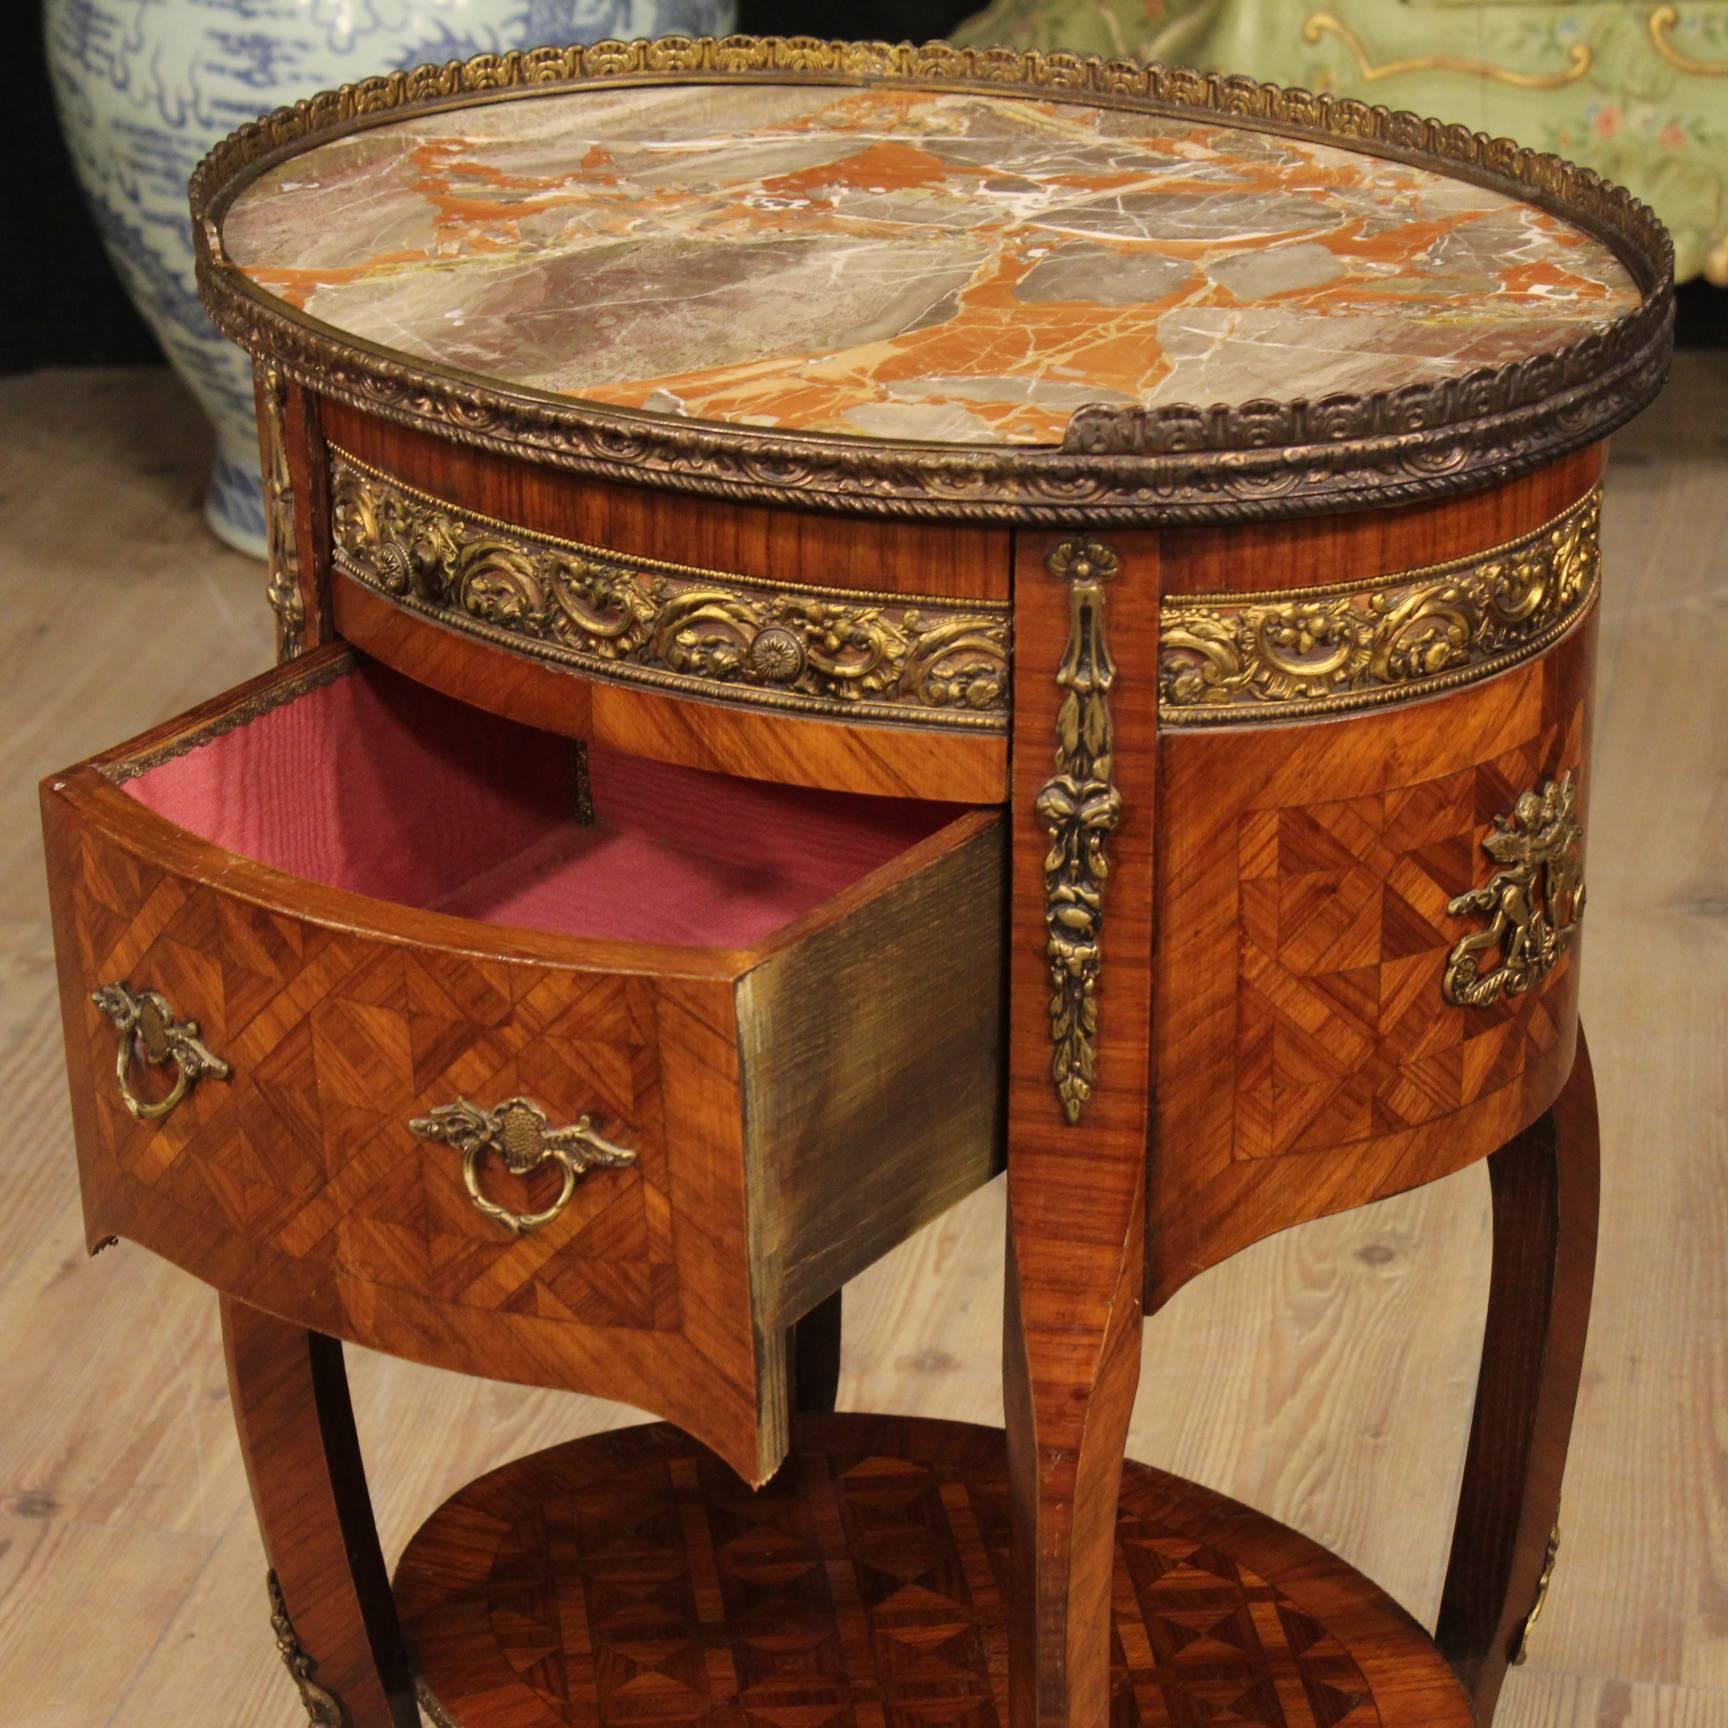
x: 368, y: 782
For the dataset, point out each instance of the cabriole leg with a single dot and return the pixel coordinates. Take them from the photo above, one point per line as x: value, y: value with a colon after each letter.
x: 330, y: 1601
x: 1545, y: 1187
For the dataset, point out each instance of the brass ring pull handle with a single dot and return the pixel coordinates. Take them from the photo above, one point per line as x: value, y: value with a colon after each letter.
x: 520, y: 1132
x: 148, y: 1026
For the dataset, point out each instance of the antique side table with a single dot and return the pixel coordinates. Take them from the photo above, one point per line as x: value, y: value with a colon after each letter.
x: 784, y: 708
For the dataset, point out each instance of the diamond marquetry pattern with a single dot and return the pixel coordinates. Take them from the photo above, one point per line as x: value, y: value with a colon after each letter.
x: 1343, y: 1033
x: 631, y: 1578
x: 336, y: 1041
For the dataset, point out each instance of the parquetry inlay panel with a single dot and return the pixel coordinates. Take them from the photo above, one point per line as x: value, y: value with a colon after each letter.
x: 336, y: 1042
x: 1343, y: 1031
x: 631, y: 1578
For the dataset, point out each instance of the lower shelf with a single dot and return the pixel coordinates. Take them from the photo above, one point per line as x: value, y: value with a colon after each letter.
x: 631, y: 1578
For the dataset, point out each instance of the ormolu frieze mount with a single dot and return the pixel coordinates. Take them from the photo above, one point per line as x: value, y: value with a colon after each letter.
x: 838, y: 652
x: 1080, y: 808
x: 1226, y: 658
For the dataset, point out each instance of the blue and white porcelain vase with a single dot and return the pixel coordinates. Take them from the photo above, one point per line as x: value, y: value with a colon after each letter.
x: 145, y: 87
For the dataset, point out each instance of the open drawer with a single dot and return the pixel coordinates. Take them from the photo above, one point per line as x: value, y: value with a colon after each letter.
x: 422, y: 1028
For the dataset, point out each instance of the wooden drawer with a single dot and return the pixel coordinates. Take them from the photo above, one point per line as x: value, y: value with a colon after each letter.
x: 1373, y: 925
x: 770, y: 1019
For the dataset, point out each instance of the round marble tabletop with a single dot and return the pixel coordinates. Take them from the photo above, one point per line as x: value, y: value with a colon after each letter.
x: 963, y: 267
x: 976, y: 269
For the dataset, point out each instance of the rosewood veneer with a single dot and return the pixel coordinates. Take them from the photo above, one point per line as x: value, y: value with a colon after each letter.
x: 851, y: 615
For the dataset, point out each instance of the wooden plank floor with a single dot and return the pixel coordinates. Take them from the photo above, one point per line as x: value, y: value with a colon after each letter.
x: 1325, y: 1376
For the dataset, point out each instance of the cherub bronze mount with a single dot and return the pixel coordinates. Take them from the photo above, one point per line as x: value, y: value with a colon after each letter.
x: 1534, y: 901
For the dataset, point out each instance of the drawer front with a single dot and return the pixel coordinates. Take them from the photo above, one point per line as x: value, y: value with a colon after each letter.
x: 318, y: 1102
x: 298, y: 1184
x: 1401, y: 894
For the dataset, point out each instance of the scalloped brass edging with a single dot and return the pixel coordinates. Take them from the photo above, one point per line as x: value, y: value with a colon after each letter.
x: 1521, y: 1654
x: 1172, y: 464
x: 1228, y: 658
x: 838, y: 653
x: 277, y: 694
x: 436, y: 1714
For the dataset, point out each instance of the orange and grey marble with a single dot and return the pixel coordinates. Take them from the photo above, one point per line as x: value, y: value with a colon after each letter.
x: 901, y: 264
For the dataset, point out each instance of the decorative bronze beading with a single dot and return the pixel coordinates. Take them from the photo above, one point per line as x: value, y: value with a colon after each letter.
x: 844, y: 654
x: 1522, y: 1651
x: 1177, y: 462
x: 323, y: 1708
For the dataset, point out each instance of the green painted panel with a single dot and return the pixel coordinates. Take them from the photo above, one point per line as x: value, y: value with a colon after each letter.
x: 1638, y: 92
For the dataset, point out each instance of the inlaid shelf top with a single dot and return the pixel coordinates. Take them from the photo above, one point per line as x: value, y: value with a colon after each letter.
x: 919, y: 250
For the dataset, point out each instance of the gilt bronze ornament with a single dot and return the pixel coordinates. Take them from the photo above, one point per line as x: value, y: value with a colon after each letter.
x: 323, y: 1708
x: 1534, y: 901
x: 150, y: 1028
x: 521, y: 1133
x: 1228, y: 658
x: 841, y: 653
x: 1080, y: 808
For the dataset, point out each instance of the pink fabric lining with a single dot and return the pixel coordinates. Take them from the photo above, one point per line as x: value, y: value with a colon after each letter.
x: 375, y: 784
